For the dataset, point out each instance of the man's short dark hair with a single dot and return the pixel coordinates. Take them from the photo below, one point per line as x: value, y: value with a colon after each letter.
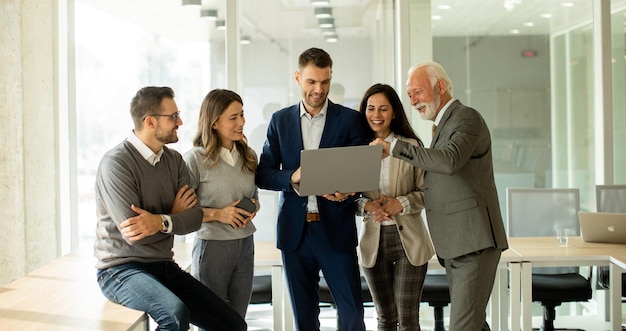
x: 316, y: 56
x: 148, y: 101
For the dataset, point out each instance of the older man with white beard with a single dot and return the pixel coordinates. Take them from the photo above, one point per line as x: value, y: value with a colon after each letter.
x: 461, y: 201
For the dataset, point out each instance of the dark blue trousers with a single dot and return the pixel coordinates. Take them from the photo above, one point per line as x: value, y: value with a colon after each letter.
x: 341, y: 271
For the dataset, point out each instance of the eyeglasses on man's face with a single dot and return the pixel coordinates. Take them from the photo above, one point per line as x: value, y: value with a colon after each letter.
x: 174, y: 116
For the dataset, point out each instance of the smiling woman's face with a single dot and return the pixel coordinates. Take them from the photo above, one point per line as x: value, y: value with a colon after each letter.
x: 379, y: 114
x: 229, y: 125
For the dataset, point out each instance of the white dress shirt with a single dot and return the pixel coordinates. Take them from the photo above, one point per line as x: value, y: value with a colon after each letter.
x: 312, y: 128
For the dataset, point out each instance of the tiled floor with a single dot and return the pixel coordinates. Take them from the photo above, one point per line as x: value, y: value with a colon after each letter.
x: 260, y: 319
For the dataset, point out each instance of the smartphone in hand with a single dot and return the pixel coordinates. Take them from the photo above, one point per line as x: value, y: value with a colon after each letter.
x: 247, y: 205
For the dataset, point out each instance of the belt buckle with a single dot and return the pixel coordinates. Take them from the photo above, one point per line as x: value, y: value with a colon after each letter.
x: 312, y: 217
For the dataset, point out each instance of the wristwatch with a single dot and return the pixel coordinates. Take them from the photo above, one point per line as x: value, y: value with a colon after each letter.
x: 165, y: 222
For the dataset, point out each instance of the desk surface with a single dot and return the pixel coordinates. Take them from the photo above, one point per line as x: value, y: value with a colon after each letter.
x: 538, y: 249
x: 42, y: 300
x: 544, y: 251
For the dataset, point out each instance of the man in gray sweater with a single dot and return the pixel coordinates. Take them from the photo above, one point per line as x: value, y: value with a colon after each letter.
x: 143, y: 200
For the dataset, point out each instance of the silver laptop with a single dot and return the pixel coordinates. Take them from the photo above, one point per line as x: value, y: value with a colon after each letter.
x: 603, y: 227
x: 339, y: 169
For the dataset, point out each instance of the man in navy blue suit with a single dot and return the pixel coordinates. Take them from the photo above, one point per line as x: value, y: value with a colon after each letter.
x: 315, y: 232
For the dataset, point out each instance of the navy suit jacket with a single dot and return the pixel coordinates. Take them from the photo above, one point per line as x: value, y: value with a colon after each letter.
x: 281, y: 157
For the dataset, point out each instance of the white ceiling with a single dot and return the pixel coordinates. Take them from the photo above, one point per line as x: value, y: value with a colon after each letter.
x: 283, y: 20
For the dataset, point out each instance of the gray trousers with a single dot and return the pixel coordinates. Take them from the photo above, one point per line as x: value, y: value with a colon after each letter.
x: 227, y: 268
x: 471, y: 278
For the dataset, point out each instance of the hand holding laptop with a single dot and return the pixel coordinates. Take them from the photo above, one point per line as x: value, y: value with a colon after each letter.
x: 337, y: 196
x: 385, y: 144
x: 295, y: 176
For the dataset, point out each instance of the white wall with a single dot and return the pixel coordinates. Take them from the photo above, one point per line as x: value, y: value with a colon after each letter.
x: 28, y: 131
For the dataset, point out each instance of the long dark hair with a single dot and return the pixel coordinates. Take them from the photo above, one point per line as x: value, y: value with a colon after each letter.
x: 399, y: 124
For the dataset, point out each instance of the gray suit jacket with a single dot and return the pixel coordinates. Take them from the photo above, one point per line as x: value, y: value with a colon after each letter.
x: 461, y: 201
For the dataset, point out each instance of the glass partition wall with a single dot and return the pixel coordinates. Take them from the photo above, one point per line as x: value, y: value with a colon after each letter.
x: 618, y: 56
x: 526, y: 66
x: 124, y: 45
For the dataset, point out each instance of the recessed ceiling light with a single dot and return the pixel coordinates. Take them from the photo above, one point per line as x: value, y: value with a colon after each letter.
x: 546, y: 15
x: 514, y: 31
x: 435, y: 17
x: 321, y: 12
x: 332, y: 38
x: 510, y: 4
x: 192, y: 2
x: 327, y: 22
x: 567, y: 4
x: 444, y: 7
x: 329, y: 31
x: 245, y: 40
x: 320, y: 2
x: 529, y: 24
x: 208, y: 13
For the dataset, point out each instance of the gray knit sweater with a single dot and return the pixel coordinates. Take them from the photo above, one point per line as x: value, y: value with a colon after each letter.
x: 124, y: 177
x: 218, y: 187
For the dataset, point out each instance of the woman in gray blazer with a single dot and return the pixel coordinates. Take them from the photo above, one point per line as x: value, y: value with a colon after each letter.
x: 394, y: 247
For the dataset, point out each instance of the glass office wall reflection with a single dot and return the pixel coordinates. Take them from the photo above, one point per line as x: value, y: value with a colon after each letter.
x: 532, y: 82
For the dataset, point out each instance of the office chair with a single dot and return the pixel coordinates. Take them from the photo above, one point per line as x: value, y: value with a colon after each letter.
x: 610, y: 199
x: 436, y: 293
x: 538, y: 212
x: 261, y: 289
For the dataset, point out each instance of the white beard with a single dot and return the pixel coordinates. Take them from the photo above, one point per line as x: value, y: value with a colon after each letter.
x: 430, y: 108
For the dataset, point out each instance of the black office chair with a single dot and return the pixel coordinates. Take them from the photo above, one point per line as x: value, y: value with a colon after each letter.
x: 553, y: 289
x: 436, y: 293
x: 537, y: 212
x: 261, y: 289
x: 610, y: 199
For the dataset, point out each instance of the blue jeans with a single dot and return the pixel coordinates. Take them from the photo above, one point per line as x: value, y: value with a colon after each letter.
x: 171, y: 296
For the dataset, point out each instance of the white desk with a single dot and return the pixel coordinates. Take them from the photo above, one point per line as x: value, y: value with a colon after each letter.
x: 267, y: 255
x: 617, y: 268
x: 544, y: 252
x: 509, y: 261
